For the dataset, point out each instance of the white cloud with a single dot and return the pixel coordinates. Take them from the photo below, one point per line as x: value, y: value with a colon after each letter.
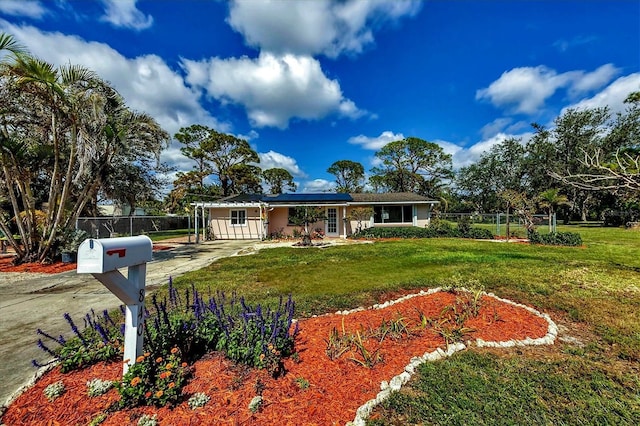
x: 590, y: 81
x: 315, y: 27
x: 123, y: 13
x: 29, y: 8
x: 564, y: 45
x: 273, y: 89
x: 377, y: 142
x: 317, y: 185
x: 146, y: 82
x: 612, y: 96
x: 272, y: 159
x: 496, y: 126
x: 525, y: 90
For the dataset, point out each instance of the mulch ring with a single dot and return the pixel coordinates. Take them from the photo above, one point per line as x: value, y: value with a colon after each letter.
x: 315, y: 389
x: 53, y: 268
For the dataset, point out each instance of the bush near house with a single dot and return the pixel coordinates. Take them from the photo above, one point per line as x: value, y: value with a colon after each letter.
x: 437, y: 228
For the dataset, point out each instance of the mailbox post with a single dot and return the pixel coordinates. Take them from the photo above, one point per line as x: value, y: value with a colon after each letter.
x: 102, y: 258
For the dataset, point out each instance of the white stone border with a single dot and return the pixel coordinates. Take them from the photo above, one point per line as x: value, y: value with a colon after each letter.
x: 363, y: 412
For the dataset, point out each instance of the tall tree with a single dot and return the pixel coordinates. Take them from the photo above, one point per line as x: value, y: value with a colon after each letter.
x: 349, y: 175
x: 279, y: 180
x: 57, y: 126
x: 193, y: 138
x: 244, y: 179
x: 218, y: 153
x: 187, y: 188
x: 499, y: 169
x: 413, y: 165
x: 550, y: 200
x: 610, y: 161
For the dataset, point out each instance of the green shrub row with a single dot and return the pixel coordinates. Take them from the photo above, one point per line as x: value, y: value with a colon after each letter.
x: 436, y: 229
x: 556, y: 239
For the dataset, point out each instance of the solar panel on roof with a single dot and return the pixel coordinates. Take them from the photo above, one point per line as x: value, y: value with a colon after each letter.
x: 308, y: 198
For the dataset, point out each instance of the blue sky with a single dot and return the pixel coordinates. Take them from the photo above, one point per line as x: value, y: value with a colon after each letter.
x: 311, y: 82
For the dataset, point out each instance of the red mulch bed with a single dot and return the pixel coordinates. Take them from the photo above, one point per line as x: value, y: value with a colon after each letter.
x: 336, y: 388
x: 53, y: 268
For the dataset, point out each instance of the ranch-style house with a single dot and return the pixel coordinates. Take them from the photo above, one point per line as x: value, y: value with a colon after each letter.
x: 258, y: 216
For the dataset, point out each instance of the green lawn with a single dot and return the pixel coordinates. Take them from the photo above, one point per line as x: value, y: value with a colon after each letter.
x: 593, y: 290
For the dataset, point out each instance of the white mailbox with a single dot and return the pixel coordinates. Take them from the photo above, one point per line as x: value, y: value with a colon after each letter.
x: 102, y: 258
x: 109, y: 254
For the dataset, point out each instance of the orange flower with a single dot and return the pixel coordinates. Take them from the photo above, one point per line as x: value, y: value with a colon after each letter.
x: 171, y: 385
x: 140, y: 358
x: 174, y: 351
x: 184, y: 365
x: 169, y: 366
x: 163, y: 375
x: 261, y: 357
x: 159, y: 359
x: 148, y: 394
x: 135, y: 381
x: 159, y: 394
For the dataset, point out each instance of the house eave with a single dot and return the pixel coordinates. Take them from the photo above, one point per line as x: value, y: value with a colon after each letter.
x: 386, y: 203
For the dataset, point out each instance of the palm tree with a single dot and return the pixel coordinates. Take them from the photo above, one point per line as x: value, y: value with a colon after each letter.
x: 84, y: 130
x: 549, y: 200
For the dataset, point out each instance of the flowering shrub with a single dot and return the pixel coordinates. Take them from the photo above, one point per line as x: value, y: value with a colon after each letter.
x: 198, y: 399
x: 97, y: 387
x: 153, y: 381
x: 54, y: 390
x: 100, y: 340
x: 189, y: 325
x: 147, y: 420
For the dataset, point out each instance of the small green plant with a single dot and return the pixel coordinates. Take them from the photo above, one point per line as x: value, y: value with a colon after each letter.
x: 97, y: 387
x: 198, y: 399
x: 302, y: 383
x: 98, y: 419
x: 153, y: 381
x: 367, y: 358
x: 54, y: 390
x: 395, y: 329
x: 337, y: 344
x: 147, y: 420
x: 256, y: 404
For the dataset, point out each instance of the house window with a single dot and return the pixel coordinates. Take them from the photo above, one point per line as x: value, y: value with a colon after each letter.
x: 292, y: 214
x: 238, y: 218
x: 393, y: 214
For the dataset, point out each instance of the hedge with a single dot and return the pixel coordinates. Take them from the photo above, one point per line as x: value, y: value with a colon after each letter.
x: 556, y: 239
x: 437, y: 229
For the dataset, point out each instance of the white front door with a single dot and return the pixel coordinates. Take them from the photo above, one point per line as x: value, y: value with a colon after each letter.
x: 331, y: 224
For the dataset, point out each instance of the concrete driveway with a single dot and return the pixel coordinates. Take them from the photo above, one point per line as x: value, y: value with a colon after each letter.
x: 32, y: 301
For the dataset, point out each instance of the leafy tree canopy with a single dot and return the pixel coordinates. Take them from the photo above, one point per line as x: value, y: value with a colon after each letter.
x: 349, y: 175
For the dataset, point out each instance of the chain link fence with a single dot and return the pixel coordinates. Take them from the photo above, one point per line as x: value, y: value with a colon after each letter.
x: 118, y: 226
x: 497, y: 222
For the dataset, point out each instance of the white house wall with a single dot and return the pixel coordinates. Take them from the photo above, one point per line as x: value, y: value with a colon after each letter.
x: 221, y: 228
